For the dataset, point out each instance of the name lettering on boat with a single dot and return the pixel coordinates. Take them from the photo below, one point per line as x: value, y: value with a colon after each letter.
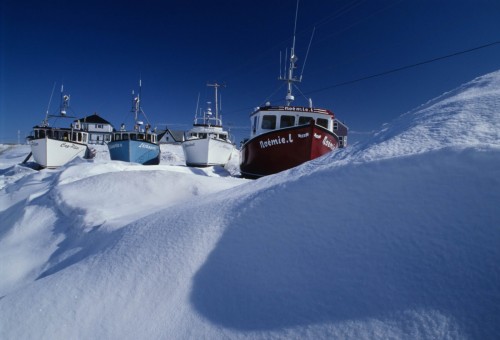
x: 317, y: 136
x: 303, y: 135
x: 328, y: 144
x: 147, y: 146
x: 68, y: 146
x: 275, y: 141
x: 301, y: 109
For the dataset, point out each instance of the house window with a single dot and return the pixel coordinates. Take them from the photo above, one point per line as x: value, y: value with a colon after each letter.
x: 269, y: 122
x: 322, y: 122
x: 286, y: 121
x: 335, y: 125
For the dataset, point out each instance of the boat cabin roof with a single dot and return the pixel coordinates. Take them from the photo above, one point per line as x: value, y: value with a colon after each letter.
x: 291, y: 109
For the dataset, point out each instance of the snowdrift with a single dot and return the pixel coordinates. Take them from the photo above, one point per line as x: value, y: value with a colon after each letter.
x: 394, y: 237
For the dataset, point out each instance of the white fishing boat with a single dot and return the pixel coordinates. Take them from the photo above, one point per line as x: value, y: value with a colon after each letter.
x: 207, y: 143
x: 52, y: 147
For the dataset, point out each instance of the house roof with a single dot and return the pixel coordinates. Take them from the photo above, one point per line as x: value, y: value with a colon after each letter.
x: 95, y: 118
x: 177, y: 135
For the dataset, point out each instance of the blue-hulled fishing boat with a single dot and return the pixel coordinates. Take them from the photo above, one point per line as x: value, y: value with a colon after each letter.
x: 139, y: 145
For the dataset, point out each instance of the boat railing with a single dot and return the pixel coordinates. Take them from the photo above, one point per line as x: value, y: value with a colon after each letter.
x: 207, y: 120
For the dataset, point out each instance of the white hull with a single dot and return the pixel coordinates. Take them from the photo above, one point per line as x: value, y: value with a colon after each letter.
x: 207, y: 152
x: 50, y: 153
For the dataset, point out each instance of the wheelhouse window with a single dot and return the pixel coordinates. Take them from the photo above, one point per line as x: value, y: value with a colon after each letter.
x: 286, y: 121
x: 269, y: 122
x: 304, y: 120
x: 322, y: 122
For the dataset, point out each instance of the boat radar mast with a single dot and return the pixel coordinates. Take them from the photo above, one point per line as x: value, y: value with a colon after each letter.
x: 216, y: 86
x: 290, y: 79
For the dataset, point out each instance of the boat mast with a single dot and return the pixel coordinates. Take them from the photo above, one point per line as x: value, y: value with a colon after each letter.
x: 293, y: 59
x: 136, y: 105
x: 64, y: 102
x: 216, y: 86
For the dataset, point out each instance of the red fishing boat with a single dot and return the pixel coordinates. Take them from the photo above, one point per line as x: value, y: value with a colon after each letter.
x: 283, y: 137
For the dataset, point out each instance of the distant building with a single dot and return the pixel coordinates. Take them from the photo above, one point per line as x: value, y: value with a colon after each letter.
x: 100, y: 130
x: 172, y: 137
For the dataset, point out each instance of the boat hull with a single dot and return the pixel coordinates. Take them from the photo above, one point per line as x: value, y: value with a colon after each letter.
x: 134, y: 151
x: 279, y: 150
x: 52, y: 153
x: 207, y: 152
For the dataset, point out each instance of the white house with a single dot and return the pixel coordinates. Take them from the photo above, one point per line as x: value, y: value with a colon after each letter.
x: 172, y: 137
x: 100, y: 130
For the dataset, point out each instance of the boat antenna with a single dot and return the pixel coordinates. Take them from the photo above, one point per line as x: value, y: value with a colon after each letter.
x: 139, y: 98
x: 290, y: 79
x: 280, y: 65
x: 197, y: 105
x: 46, y: 121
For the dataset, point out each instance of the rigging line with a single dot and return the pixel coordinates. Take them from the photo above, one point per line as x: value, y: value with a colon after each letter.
x: 298, y: 89
x: 372, y: 14
x: 307, y: 53
x: 403, y: 68
x: 253, y: 62
x: 274, y: 92
x: 339, y: 12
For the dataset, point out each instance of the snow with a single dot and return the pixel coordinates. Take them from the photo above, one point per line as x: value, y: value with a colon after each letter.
x: 396, y: 236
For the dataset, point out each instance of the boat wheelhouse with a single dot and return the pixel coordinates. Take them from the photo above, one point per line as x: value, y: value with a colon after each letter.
x: 52, y: 147
x: 283, y: 137
x: 207, y: 143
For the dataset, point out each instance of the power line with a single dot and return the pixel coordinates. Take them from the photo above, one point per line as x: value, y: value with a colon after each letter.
x: 403, y: 68
x: 391, y: 71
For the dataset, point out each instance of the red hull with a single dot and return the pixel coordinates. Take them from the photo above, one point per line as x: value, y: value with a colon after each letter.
x: 283, y: 149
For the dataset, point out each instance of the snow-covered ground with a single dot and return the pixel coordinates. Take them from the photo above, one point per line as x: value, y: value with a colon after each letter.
x: 397, y: 236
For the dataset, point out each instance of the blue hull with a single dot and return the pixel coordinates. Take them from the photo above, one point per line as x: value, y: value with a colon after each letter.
x: 135, y: 152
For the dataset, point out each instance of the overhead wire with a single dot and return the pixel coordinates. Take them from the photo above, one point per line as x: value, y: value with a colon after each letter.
x: 398, y: 69
x: 404, y: 67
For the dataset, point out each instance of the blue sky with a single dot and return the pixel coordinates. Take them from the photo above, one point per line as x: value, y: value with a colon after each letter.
x: 99, y: 49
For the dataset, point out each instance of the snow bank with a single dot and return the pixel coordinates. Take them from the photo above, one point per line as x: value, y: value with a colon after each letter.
x: 394, y: 237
